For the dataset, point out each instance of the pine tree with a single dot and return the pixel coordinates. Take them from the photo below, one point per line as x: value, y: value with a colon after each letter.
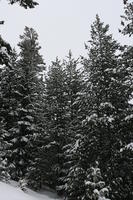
x: 122, y: 184
x: 4, y: 168
x: 36, y: 173
x: 127, y: 19
x: 75, y: 180
x: 105, y: 129
x: 102, y: 92
x: 95, y: 186
x: 74, y: 116
x: 76, y: 186
x: 122, y: 161
x: 56, y: 126
x: 25, y: 131
x: 10, y: 104
x: 5, y: 107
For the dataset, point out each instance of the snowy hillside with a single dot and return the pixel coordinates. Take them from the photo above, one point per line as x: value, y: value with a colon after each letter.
x: 12, y: 192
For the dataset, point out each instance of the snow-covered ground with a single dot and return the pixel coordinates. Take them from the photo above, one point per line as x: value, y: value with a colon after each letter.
x: 13, y: 192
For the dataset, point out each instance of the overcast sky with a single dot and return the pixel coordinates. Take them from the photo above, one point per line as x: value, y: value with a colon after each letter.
x: 61, y: 24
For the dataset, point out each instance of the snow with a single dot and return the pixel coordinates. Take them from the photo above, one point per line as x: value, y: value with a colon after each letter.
x: 2, y: 66
x: 131, y: 102
x: 128, y: 146
x: 76, y: 144
x: 91, y: 117
x: 129, y: 117
x: 3, y: 50
x: 106, y: 104
x: 13, y: 192
x: 24, y: 139
x: 24, y: 122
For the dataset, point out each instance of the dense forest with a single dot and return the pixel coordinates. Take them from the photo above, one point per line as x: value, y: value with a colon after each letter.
x: 69, y: 126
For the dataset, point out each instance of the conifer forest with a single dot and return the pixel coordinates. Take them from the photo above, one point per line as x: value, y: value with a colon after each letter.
x: 69, y: 126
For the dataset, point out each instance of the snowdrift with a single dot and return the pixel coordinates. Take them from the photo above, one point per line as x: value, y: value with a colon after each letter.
x: 13, y: 192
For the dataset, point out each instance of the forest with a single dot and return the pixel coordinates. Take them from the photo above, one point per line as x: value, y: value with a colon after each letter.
x: 69, y: 126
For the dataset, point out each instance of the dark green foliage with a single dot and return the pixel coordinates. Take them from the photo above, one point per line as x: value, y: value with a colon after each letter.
x: 103, y: 98
x: 76, y: 186
x: 95, y: 186
x: 56, y: 126
x: 8, y: 105
x: 24, y: 3
x: 4, y: 168
x: 20, y: 104
x: 122, y: 174
x: 106, y: 129
x: 31, y: 68
x: 73, y: 130
x: 74, y: 115
x: 76, y: 175
x: 127, y: 18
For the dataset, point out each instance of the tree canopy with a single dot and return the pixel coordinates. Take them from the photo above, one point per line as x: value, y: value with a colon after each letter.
x: 24, y: 3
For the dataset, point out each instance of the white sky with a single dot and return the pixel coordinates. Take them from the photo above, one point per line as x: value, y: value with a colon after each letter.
x: 61, y: 24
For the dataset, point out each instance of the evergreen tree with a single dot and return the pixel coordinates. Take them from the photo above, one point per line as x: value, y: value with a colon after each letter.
x: 36, y: 173
x: 122, y: 184
x: 7, y: 104
x: 122, y: 161
x: 56, y: 126
x: 127, y: 19
x: 95, y: 186
x: 9, y: 111
x: 4, y: 169
x: 25, y: 131
x: 74, y: 115
x: 75, y: 187
x: 102, y: 92
x: 105, y: 129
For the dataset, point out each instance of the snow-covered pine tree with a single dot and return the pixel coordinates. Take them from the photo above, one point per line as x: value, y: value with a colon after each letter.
x: 74, y: 115
x: 102, y: 94
x: 108, y: 96
x: 9, y: 110
x: 36, y: 172
x: 56, y: 126
x: 4, y: 169
x: 29, y: 68
x: 7, y: 104
x: 2, y: 132
x: 95, y: 186
x: 76, y: 183
x: 127, y: 18
x: 122, y: 184
x: 75, y: 178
